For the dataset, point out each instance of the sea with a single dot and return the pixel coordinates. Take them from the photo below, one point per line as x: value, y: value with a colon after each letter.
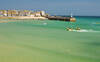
x: 50, y: 41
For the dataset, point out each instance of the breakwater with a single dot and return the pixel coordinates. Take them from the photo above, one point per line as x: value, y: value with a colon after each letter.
x: 70, y: 19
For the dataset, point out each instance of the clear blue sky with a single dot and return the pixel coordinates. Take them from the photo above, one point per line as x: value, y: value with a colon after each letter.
x: 61, y: 7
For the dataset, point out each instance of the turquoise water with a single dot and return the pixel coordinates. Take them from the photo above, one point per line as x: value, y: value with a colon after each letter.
x: 49, y: 41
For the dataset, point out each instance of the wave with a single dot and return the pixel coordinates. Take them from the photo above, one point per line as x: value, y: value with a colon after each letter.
x: 84, y: 30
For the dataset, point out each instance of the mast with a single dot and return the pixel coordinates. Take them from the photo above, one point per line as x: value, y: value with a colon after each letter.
x: 71, y: 15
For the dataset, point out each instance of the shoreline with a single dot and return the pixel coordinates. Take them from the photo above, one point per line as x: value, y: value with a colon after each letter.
x: 17, y: 18
x: 23, y: 17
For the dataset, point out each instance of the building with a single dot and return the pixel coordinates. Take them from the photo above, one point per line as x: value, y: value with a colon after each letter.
x: 13, y: 13
x: 3, y: 13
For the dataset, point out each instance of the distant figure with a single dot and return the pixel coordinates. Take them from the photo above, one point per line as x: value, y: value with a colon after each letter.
x: 77, y: 28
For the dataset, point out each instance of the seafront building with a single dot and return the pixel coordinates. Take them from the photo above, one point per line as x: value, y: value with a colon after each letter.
x: 3, y: 13
x: 13, y: 13
x: 23, y: 14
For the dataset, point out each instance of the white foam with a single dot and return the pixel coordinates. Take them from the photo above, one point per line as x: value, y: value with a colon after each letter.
x: 44, y: 23
x: 84, y: 30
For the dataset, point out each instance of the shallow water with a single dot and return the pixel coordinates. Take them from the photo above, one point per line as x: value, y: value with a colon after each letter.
x: 49, y: 41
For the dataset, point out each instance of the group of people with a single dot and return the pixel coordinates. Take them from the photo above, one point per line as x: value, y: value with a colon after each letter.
x: 71, y: 29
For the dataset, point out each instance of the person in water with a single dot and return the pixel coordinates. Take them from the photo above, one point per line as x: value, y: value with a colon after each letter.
x: 70, y: 29
x: 77, y: 28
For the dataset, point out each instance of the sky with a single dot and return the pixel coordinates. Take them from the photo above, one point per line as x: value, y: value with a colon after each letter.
x: 56, y: 7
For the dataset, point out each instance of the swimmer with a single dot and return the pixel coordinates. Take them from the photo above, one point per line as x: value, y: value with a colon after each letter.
x: 77, y: 28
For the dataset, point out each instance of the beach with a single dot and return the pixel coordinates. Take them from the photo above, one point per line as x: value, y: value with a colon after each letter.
x: 49, y: 41
x: 24, y: 17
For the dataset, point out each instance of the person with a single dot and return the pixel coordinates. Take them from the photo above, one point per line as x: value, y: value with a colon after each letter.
x: 69, y: 29
x: 77, y: 28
